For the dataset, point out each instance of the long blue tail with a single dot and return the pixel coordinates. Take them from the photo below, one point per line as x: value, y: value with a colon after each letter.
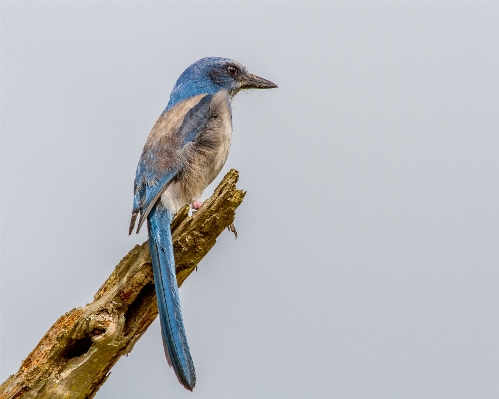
x: 172, y: 327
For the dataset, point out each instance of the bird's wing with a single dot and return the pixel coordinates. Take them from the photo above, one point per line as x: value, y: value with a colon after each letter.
x: 164, y: 152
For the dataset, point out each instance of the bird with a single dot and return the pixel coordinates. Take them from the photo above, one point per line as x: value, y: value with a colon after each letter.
x: 184, y: 152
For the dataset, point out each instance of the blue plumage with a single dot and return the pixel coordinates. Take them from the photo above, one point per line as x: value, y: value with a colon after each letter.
x: 174, y: 338
x: 184, y: 152
x: 195, y: 120
x: 197, y: 79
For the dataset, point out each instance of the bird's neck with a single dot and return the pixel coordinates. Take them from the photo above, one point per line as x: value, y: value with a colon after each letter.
x: 182, y: 91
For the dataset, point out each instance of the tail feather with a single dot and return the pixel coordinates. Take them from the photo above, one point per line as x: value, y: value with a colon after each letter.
x: 172, y: 327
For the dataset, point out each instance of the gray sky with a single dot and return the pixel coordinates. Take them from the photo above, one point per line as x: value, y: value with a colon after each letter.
x: 367, y: 258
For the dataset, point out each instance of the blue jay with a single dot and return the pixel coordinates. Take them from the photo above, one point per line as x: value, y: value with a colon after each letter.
x: 184, y: 152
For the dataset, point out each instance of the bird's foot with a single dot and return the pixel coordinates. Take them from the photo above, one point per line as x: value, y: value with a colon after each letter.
x: 196, y: 205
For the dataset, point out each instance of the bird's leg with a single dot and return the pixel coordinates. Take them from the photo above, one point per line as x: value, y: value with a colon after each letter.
x: 196, y: 204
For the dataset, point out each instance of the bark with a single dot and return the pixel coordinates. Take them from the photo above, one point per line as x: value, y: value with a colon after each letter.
x: 75, y: 356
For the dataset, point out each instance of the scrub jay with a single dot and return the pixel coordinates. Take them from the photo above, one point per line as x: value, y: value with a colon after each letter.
x: 185, y: 151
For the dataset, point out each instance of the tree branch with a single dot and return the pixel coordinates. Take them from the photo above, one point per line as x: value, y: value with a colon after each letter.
x: 74, y: 358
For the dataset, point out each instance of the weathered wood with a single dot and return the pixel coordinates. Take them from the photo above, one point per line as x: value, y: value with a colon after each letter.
x: 74, y: 358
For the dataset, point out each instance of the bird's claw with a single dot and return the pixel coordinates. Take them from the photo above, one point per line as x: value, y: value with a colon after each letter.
x: 196, y: 205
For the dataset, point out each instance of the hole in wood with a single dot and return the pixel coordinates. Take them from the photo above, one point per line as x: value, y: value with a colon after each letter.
x: 77, y: 347
x: 97, y: 331
x: 137, y: 307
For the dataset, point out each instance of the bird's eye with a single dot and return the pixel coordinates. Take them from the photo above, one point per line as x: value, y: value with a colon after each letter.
x: 232, y: 69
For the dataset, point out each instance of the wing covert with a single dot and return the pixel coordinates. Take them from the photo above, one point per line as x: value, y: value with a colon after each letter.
x: 162, y: 157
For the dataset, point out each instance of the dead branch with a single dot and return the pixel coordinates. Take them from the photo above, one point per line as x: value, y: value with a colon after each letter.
x: 74, y: 357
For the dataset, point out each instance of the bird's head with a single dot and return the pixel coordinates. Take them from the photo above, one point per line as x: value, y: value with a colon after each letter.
x: 212, y: 74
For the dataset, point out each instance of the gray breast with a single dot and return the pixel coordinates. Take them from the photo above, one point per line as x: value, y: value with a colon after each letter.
x: 204, y: 158
x: 216, y: 138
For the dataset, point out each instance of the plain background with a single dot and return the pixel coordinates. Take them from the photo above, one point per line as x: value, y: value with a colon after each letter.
x: 367, y: 259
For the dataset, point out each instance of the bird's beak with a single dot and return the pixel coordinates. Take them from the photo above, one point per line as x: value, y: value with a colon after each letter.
x: 256, y: 82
